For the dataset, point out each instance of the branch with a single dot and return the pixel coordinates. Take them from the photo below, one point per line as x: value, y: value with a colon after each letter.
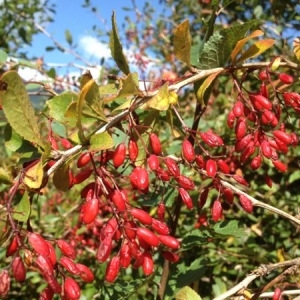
x: 263, y: 270
x: 258, y: 203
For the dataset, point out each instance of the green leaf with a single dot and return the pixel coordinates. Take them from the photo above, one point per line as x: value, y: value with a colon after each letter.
x: 216, y: 51
x: 22, y: 209
x: 18, y: 108
x: 5, y: 176
x: 229, y: 228
x: 4, y: 225
x: 195, y: 238
x: 101, y: 141
x: 182, y: 42
x: 162, y: 100
x: 68, y: 37
x: 61, y: 179
x: 15, y: 143
x: 58, y: 106
x: 51, y: 73
x: 3, y: 57
x: 116, y: 48
x: 187, y: 293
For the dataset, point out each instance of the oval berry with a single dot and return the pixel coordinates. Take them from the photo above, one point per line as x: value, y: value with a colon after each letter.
x: 18, y: 269
x: 142, y: 179
x: 119, y: 155
x: 112, y: 269
x: 69, y: 265
x: 119, y: 199
x: 133, y: 150
x: 211, y: 168
x: 186, y: 198
x: 66, y: 249
x: 160, y: 227
x: 185, y: 182
x: 188, y: 151
x: 153, y: 162
x: 85, y: 273
x: 238, y: 109
x: 4, y: 283
x: 125, y: 256
x: 89, y: 211
x: 169, y: 241
x: 155, y: 144
x: 147, y: 236
x: 283, y: 136
x: 71, y: 289
x: 148, y: 265
x: 12, y: 247
x: 172, y: 166
x: 246, y: 203
x: 83, y: 159
x: 141, y: 215
x: 104, y: 250
x: 280, y: 165
x: 217, y: 210
x: 286, y: 78
x: 38, y: 243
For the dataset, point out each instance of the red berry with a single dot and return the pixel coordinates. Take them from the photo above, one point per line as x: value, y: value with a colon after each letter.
x: 4, y: 283
x: 185, y: 182
x: 69, y: 265
x: 280, y: 165
x: 66, y: 249
x: 82, y: 176
x: 246, y: 204
x: 12, y: 247
x: 133, y: 150
x: 153, y: 162
x: 125, y: 256
x: 266, y: 149
x: 46, y: 294
x: 143, y: 179
x: 286, y: 78
x: 83, y: 159
x: 277, y: 294
x: 18, y: 269
x: 104, y: 250
x: 240, y: 129
x: 170, y: 256
x: 130, y: 229
x: 89, y: 211
x: 66, y: 143
x: 188, y: 151
x: 155, y: 144
x: 119, y: 199
x: 147, y: 236
x: 169, y: 241
x: 217, y: 210
x: 186, y: 198
x: 283, y: 136
x: 45, y: 265
x: 211, y: 168
x: 211, y: 139
x: 203, y: 197
x: 200, y: 161
x: 52, y: 253
x: 85, y: 273
x: 256, y: 162
x: 240, y: 180
x: 238, y: 109
x: 163, y: 174
x: 112, y: 269
x: 148, y: 265
x: 172, y: 166
x: 160, y: 227
x: 141, y: 215
x: 71, y: 289
x: 38, y: 244
x: 223, y: 166
x: 230, y: 119
x: 263, y: 75
x: 119, y: 155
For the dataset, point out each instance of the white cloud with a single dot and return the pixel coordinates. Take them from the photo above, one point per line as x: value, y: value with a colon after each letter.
x: 92, y: 47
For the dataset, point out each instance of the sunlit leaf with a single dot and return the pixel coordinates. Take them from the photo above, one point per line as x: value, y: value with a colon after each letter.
x: 129, y: 86
x: 34, y: 175
x: 296, y: 47
x: 200, y: 93
x: 3, y: 57
x: 276, y: 63
x: 68, y: 37
x: 116, y: 48
x: 258, y: 48
x: 240, y: 44
x: 163, y: 99
x: 182, y: 42
x: 22, y: 209
x: 101, y: 141
x: 187, y: 293
x: 18, y: 108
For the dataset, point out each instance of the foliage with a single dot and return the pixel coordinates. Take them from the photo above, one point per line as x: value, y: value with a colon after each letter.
x: 179, y: 190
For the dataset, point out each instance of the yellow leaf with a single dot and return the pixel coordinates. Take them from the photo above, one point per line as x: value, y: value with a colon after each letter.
x: 187, y: 293
x: 205, y: 85
x: 256, y: 49
x: 296, y: 45
x: 163, y: 99
x: 240, y: 44
x: 34, y: 176
x: 275, y: 64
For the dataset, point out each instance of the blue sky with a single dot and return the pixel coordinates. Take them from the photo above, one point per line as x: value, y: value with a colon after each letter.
x: 71, y: 15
